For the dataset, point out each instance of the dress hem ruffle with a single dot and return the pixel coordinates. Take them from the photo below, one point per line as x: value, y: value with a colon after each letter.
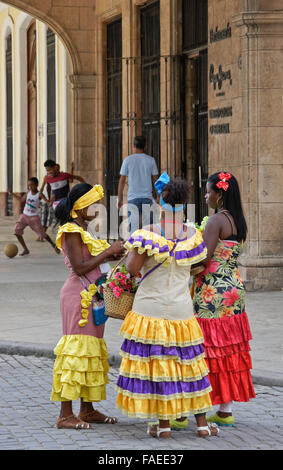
x: 227, y: 354
x: 80, y: 369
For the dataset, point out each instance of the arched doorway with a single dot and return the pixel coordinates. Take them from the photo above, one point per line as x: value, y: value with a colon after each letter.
x: 36, y: 104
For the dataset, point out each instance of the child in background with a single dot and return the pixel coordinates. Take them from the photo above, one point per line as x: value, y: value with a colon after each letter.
x: 58, y: 181
x: 30, y: 217
x: 46, y: 212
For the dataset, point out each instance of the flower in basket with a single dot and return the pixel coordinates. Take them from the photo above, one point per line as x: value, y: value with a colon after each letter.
x: 121, y: 281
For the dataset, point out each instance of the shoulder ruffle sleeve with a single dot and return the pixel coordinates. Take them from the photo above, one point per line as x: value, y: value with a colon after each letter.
x: 192, y: 250
x: 187, y: 252
x: 95, y: 247
x: 151, y: 243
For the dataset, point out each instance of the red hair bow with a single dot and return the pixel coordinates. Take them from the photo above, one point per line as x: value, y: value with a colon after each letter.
x: 222, y: 184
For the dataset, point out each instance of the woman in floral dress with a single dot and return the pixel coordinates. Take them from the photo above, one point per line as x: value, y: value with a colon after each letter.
x: 219, y: 300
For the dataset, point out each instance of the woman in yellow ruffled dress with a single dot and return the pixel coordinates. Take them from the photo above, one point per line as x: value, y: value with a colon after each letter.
x: 163, y: 374
x: 80, y: 369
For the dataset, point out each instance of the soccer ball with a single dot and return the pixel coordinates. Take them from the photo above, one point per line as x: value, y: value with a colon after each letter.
x: 11, y: 250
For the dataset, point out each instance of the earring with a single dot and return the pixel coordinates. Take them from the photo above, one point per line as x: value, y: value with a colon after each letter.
x: 218, y: 203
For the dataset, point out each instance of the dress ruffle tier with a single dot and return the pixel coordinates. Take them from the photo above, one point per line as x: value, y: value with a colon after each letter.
x: 163, y: 373
x: 80, y: 369
x: 228, y: 358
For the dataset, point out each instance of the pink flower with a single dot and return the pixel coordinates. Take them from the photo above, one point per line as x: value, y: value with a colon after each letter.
x: 117, y: 292
x: 112, y: 284
x: 211, y: 268
x: 230, y: 297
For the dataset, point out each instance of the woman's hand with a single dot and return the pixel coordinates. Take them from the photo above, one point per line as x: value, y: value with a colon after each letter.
x: 197, y: 270
x: 117, y: 248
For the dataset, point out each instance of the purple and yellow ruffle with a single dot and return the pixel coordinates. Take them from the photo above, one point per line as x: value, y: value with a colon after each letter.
x: 189, y: 251
x: 163, y: 373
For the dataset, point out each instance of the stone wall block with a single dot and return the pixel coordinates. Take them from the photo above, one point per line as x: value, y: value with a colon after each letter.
x: 69, y: 18
x: 270, y: 179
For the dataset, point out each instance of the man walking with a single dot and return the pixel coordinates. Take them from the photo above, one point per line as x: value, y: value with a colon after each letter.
x: 142, y: 172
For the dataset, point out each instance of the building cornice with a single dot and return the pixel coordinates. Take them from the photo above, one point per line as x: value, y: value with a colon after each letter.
x: 258, y: 18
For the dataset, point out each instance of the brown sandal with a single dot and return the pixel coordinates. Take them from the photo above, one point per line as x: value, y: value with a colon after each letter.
x: 80, y: 425
x: 88, y: 418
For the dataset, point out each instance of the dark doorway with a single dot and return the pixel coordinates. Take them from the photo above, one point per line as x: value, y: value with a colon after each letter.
x: 150, y: 78
x: 114, y: 110
x: 195, y: 36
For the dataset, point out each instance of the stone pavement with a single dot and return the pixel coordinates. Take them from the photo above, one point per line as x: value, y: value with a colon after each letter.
x: 28, y: 419
x: 30, y: 312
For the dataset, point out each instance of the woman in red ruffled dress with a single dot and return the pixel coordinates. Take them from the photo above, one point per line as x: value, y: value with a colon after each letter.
x: 219, y: 300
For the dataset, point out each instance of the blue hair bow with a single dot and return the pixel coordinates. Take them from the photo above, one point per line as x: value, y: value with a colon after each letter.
x: 161, y: 182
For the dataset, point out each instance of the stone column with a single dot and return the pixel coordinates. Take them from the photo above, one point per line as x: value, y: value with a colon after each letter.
x: 170, y: 47
x: 261, y: 52
x: 86, y: 162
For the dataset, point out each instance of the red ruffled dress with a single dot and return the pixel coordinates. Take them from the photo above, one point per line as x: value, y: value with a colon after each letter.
x: 219, y: 304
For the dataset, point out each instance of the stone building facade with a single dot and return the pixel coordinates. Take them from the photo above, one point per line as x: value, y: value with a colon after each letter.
x: 202, y: 79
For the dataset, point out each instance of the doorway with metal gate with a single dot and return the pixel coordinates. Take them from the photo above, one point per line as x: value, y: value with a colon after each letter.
x: 195, y: 73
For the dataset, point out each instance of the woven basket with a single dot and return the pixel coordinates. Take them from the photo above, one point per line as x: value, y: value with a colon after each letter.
x: 117, y: 307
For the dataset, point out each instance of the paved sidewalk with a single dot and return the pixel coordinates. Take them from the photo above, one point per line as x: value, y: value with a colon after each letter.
x: 30, y: 311
x: 28, y: 420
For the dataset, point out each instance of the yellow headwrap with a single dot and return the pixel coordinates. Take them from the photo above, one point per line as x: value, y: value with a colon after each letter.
x: 92, y: 196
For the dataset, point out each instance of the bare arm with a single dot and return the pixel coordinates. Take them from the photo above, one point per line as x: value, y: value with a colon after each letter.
x: 48, y: 189
x: 122, y: 182
x: 41, y: 196
x: 210, y: 238
x: 135, y: 262
x: 74, y: 252
x: 20, y: 198
x: 42, y: 186
x: 211, y: 235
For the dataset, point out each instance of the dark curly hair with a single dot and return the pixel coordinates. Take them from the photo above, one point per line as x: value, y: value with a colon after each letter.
x: 176, y: 192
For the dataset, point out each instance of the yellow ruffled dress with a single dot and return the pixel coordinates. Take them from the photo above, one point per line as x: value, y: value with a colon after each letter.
x: 163, y: 372
x: 81, y: 367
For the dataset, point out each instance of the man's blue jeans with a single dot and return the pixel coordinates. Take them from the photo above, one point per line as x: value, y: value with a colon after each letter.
x: 135, y: 219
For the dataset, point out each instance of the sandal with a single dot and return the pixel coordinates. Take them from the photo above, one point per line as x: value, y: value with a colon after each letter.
x: 88, y: 418
x: 159, y: 431
x: 79, y: 425
x: 208, y: 429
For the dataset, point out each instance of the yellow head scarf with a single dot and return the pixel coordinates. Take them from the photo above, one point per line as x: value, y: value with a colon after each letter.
x: 92, y: 196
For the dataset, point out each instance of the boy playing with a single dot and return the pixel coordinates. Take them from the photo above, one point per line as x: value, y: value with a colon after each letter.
x: 30, y: 215
x: 58, y: 181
